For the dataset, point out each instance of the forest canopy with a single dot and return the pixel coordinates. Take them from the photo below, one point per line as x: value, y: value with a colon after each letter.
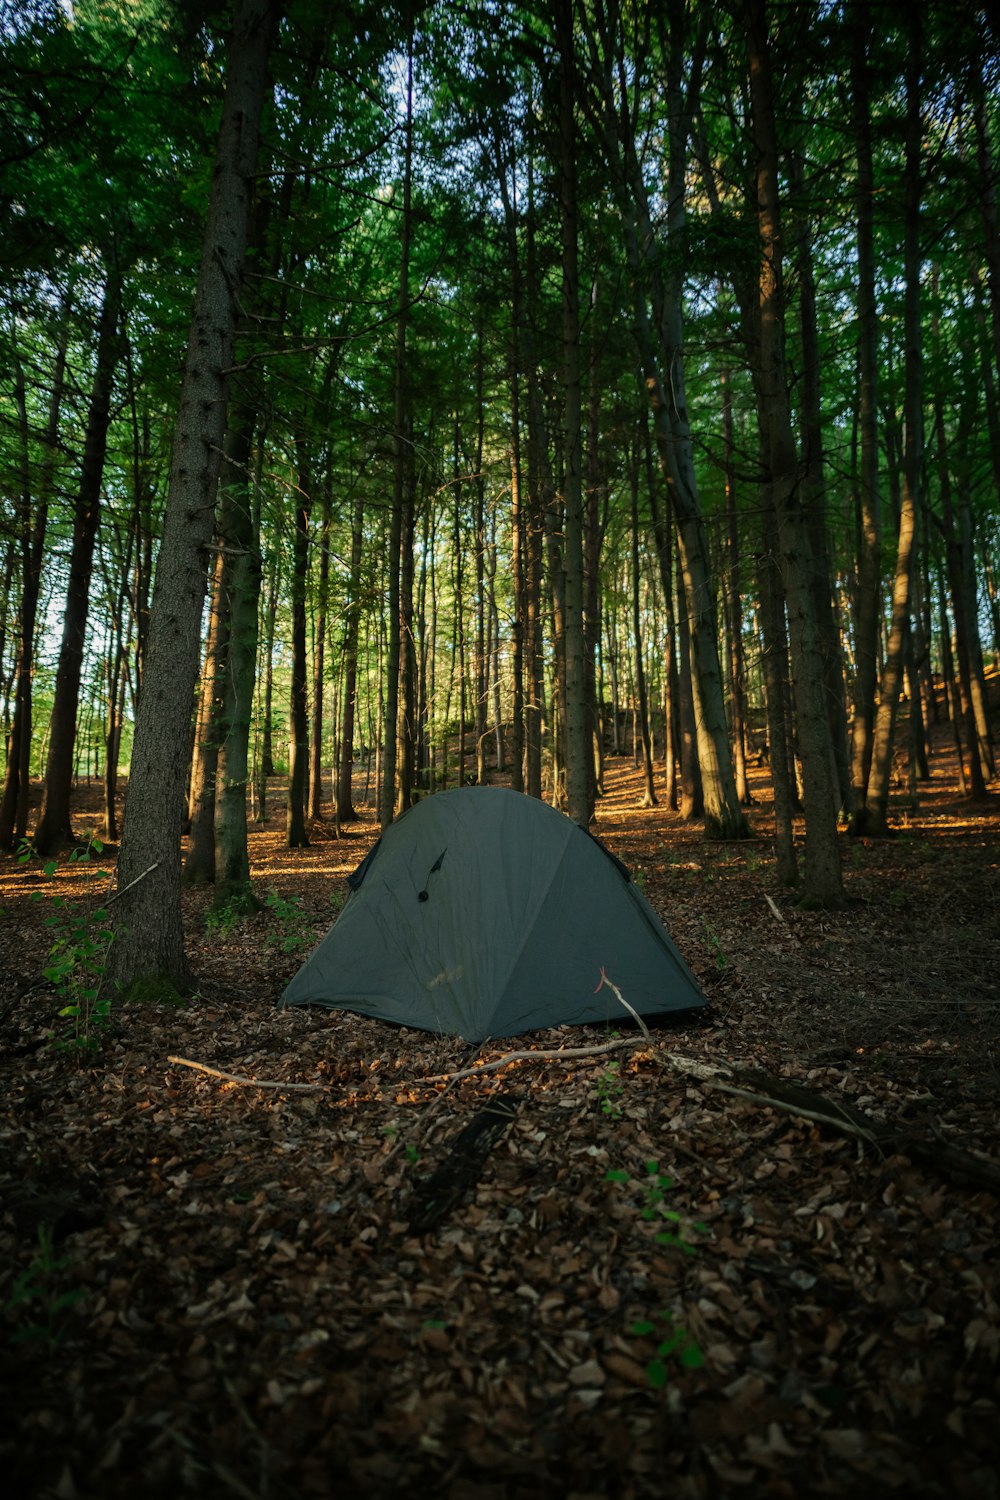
x: 396, y: 396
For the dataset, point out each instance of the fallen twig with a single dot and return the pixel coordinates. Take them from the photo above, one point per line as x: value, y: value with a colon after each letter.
x: 531, y: 1055
x: 622, y: 1001
x: 253, y: 1083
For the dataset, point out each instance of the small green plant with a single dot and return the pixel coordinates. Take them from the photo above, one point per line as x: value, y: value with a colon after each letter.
x: 78, y: 955
x: 639, y: 880
x: 295, y: 931
x: 609, y: 1091
x: 221, y: 920
x: 674, y: 1342
x: 715, y: 947
x: 36, y: 1304
x: 656, y: 1186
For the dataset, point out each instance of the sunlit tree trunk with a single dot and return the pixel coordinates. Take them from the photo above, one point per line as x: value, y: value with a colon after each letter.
x: 642, y: 700
x: 733, y: 600
x: 296, y: 835
x: 199, y: 862
x: 822, y: 876
x: 147, y: 917
x: 575, y: 737
x: 345, y: 795
x: 877, y: 801
x: 774, y: 660
x: 396, y: 644
x: 319, y: 664
x: 239, y: 537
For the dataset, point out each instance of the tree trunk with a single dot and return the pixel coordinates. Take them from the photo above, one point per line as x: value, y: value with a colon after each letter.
x: 642, y: 700
x: 32, y: 526
x: 576, y: 740
x: 774, y: 656
x: 54, y: 830
x: 396, y: 643
x: 734, y: 602
x: 822, y: 876
x: 877, y: 801
x: 319, y: 663
x: 147, y: 919
x: 296, y: 834
x: 345, y: 796
x: 240, y: 540
x: 199, y: 864
x: 270, y: 625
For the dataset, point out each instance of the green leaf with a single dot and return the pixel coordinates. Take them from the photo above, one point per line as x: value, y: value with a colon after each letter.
x: 615, y: 1174
x: 692, y: 1357
x: 656, y: 1374
x: 644, y: 1326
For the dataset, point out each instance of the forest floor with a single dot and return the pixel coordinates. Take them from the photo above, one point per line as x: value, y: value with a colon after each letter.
x: 655, y: 1288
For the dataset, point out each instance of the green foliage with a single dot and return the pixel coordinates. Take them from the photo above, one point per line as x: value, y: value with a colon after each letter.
x: 36, y: 1305
x: 673, y: 1342
x: 221, y: 920
x: 655, y: 1187
x: 77, y: 960
x: 716, y: 949
x: 294, y: 931
x: 609, y: 1091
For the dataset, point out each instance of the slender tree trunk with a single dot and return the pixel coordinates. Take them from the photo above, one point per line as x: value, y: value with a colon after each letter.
x: 956, y: 583
x: 576, y: 740
x: 813, y: 489
x: 319, y: 665
x: 54, y: 830
x: 401, y: 463
x: 734, y: 601
x: 296, y: 834
x: 774, y: 660
x: 642, y: 700
x: 877, y: 802
x: 345, y: 796
x: 32, y: 526
x: 822, y: 876
x: 239, y: 535
x: 199, y: 864
x: 406, y: 709
x: 269, y: 632
x: 147, y: 919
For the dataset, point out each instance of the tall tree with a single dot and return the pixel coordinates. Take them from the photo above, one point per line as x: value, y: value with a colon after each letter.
x: 148, y: 932
x: 823, y: 883
x: 54, y: 829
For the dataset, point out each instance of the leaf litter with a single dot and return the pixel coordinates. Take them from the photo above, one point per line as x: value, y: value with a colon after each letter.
x: 648, y: 1286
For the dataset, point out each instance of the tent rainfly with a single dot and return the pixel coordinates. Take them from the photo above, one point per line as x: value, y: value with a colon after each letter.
x: 485, y: 913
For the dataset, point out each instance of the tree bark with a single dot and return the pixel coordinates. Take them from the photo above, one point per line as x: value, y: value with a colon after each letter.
x: 823, y: 884
x: 199, y: 863
x: 239, y: 537
x: 396, y: 642
x: 296, y: 834
x: 875, y: 819
x: 32, y: 526
x: 345, y: 796
x: 576, y: 742
x: 54, y: 830
x: 147, y: 919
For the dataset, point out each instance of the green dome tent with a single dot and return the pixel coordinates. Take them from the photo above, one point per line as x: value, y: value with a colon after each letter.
x: 484, y: 913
